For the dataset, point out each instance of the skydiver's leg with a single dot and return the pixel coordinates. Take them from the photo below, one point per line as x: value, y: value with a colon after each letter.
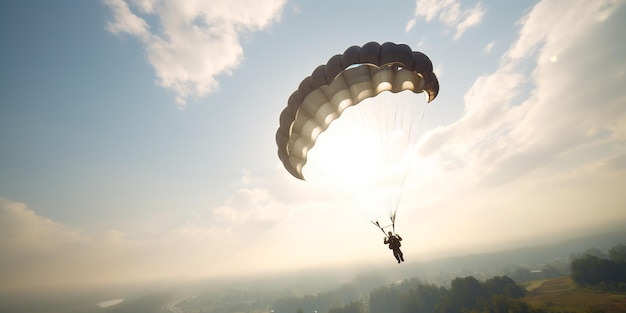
x: 396, y: 254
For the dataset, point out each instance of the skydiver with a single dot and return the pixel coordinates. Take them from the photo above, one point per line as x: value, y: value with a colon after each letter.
x: 394, y: 244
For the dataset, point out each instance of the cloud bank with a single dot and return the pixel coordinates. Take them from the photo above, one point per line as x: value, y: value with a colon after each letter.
x: 541, y: 141
x: 521, y: 118
x: 259, y: 222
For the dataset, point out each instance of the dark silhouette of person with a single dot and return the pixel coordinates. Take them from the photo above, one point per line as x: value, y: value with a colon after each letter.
x: 394, y: 244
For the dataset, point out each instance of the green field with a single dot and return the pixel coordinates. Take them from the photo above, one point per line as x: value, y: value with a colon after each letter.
x: 562, y: 295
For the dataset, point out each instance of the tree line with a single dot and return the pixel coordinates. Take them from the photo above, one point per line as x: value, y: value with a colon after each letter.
x: 592, y: 269
x: 467, y: 294
x: 603, y: 272
x: 497, y: 294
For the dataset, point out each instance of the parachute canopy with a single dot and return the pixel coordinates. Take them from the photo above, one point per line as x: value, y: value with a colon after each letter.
x: 344, y: 81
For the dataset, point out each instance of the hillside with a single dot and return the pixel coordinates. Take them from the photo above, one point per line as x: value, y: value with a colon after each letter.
x: 562, y: 295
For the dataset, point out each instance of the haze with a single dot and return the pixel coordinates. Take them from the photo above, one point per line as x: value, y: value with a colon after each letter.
x: 137, y: 137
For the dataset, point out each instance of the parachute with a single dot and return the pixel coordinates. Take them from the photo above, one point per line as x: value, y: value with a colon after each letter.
x: 370, y: 72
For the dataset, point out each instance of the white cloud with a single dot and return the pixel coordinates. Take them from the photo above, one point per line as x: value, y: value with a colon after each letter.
x: 488, y: 47
x: 125, y: 21
x: 193, y: 41
x: 40, y: 253
x: 540, y: 137
x: 449, y: 13
x: 439, y: 70
x: 410, y: 24
x: 534, y: 35
x: 505, y: 119
x: 250, y: 208
x: 33, y: 234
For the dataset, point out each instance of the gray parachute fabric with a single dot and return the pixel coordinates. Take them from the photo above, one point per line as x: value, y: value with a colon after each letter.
x: 345, y: 80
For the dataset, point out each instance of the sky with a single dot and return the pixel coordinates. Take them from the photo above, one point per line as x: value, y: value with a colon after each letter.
x: 137, y: 138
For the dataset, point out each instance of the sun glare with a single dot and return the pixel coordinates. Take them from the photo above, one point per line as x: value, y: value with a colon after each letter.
x: 366, y: 153
x: 344, y: 154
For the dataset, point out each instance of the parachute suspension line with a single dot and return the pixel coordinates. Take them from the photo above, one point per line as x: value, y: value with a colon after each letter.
x: 399, y: 115
x: 394, y: 147
x: 393, y: 224
x: 319, y: 170
x: 378, y: 116
x: 399, y: 138
x: 413, y: 131
x: 397, y: 120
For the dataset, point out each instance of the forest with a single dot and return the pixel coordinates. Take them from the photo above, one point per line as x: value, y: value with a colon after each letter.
x: 590, y: 270
x: 601, y: 272
x: 497, y: 294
